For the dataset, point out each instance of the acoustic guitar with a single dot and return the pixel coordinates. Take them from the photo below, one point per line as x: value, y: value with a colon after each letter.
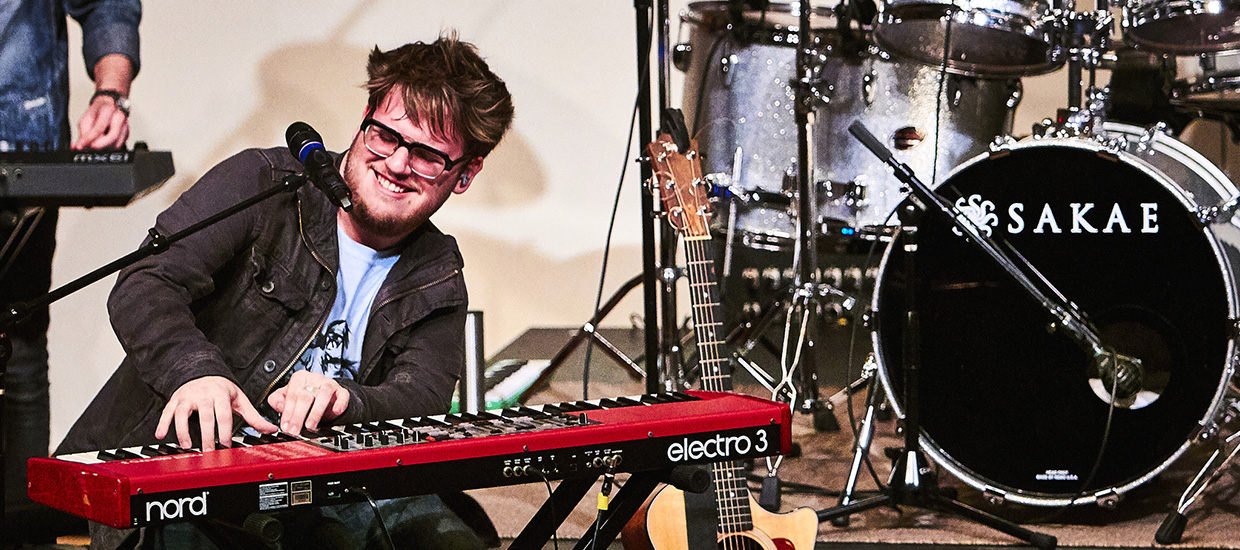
x: 661, y: 524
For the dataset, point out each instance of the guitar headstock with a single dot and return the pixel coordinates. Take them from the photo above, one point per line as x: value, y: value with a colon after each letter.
x: 678, y: 178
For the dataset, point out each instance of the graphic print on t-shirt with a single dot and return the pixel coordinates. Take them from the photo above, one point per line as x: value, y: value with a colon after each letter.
x: 330, y: 346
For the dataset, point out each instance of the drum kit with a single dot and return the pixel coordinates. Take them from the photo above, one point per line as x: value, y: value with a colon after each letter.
x: 1125, y: 229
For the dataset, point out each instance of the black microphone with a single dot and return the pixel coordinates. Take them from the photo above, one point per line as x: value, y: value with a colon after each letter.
x: 306, y: 144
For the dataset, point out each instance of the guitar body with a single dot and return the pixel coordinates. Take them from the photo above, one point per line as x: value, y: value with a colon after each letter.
x: 660, y: 525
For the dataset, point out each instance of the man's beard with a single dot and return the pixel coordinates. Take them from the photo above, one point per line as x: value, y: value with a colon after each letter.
x: 356, y: 172
x: 389, y: 226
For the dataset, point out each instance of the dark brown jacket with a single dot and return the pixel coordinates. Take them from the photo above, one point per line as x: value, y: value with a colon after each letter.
x: 243, y: 298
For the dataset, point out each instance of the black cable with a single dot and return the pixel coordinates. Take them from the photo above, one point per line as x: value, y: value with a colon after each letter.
x: 643, y: 81
x: 555, y: 539
x: 604, y: 501
x: 1093, y: 472
x: 378, y: 516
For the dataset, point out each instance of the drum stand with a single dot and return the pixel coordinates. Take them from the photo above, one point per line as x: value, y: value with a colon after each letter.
x: 804, y: 299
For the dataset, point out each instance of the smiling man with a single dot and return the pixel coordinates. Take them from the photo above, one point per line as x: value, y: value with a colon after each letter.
x: 296, y: 314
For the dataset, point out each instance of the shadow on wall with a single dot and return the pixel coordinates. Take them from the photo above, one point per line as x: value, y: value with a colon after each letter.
x: 519, y: 287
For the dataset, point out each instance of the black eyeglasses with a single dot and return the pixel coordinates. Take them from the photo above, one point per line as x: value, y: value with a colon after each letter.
x: 424, y: 160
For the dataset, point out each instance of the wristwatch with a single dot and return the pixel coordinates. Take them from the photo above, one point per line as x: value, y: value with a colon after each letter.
x: 122, y: 102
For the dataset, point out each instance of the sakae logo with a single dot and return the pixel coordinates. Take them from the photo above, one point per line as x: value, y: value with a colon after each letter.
x: 177, y: 508
x: 1076, y: 217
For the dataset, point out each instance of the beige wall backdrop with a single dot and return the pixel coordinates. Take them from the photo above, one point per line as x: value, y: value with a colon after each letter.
x: 221, y: 76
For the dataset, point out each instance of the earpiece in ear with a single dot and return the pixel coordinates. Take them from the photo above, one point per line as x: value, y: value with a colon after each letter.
x: 464, y: 179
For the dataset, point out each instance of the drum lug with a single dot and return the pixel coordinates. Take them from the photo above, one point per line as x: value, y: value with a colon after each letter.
x: 1018, y: 92
x: 1208, y: 430
x: 1107, y: 499
x: 953, y: 90
x: 725, y: 66
x: 868, y: 89
x: 682, y: 56
x: 1229, y: 412
x: 1145, y: 144
x: 994, y: 496
x: 1002, y: 143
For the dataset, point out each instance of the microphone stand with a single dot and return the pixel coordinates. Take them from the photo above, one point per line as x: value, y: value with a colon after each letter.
x: 14, y: 313
x: 912, y: 481
x: 1067, y: 317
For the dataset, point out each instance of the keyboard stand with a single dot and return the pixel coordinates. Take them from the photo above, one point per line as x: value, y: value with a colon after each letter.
x: 628, y: 500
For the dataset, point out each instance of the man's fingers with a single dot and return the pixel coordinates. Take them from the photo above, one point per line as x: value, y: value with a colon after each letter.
x: 112, y: 132
x: 206, y: 425
x: 102, y: 127
x: 294, y: 417
x: 322, y: 398
x: 277, y: 399
x: 164, y: 420
x: 340, y: 401
x: 94, y: 123
x: 181, y: 418
x: 252, y: 416
x: 223, y: 417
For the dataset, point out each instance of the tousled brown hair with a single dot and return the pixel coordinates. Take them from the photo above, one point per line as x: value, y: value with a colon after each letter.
x: 446, y: 86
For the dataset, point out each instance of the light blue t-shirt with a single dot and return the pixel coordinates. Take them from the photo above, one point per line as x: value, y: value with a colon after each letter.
x: 337, y: 350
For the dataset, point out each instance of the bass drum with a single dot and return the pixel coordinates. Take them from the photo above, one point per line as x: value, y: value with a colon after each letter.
x: 1015, y: 408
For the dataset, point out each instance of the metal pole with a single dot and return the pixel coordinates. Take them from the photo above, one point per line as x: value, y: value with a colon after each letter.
x: 807, y: 218
x: 645, y: 134
x: 473, y: 384
x: 670, y: 356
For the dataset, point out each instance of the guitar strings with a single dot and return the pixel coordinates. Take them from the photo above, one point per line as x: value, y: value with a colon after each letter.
x: 731, y: 487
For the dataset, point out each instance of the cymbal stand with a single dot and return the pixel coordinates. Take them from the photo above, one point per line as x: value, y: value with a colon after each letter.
x: 800, y: 387
x: 805, y: 292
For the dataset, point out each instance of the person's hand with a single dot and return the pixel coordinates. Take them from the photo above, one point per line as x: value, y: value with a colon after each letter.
x: 214, y: 398
x: 103, y: 126
x: 307, y: 399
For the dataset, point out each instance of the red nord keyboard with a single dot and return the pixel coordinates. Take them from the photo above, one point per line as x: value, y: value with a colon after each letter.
x: 154, y: 484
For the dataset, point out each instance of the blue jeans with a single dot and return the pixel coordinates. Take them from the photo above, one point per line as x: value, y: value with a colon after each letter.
x: 421, y: 522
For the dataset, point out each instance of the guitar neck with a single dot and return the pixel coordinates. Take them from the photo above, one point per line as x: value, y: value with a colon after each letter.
x: 731, y: 487
x: 678, y: 175
x: 707, y: 314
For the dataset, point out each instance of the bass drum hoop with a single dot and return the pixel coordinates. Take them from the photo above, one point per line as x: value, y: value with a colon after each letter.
x: 1176, y: 150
